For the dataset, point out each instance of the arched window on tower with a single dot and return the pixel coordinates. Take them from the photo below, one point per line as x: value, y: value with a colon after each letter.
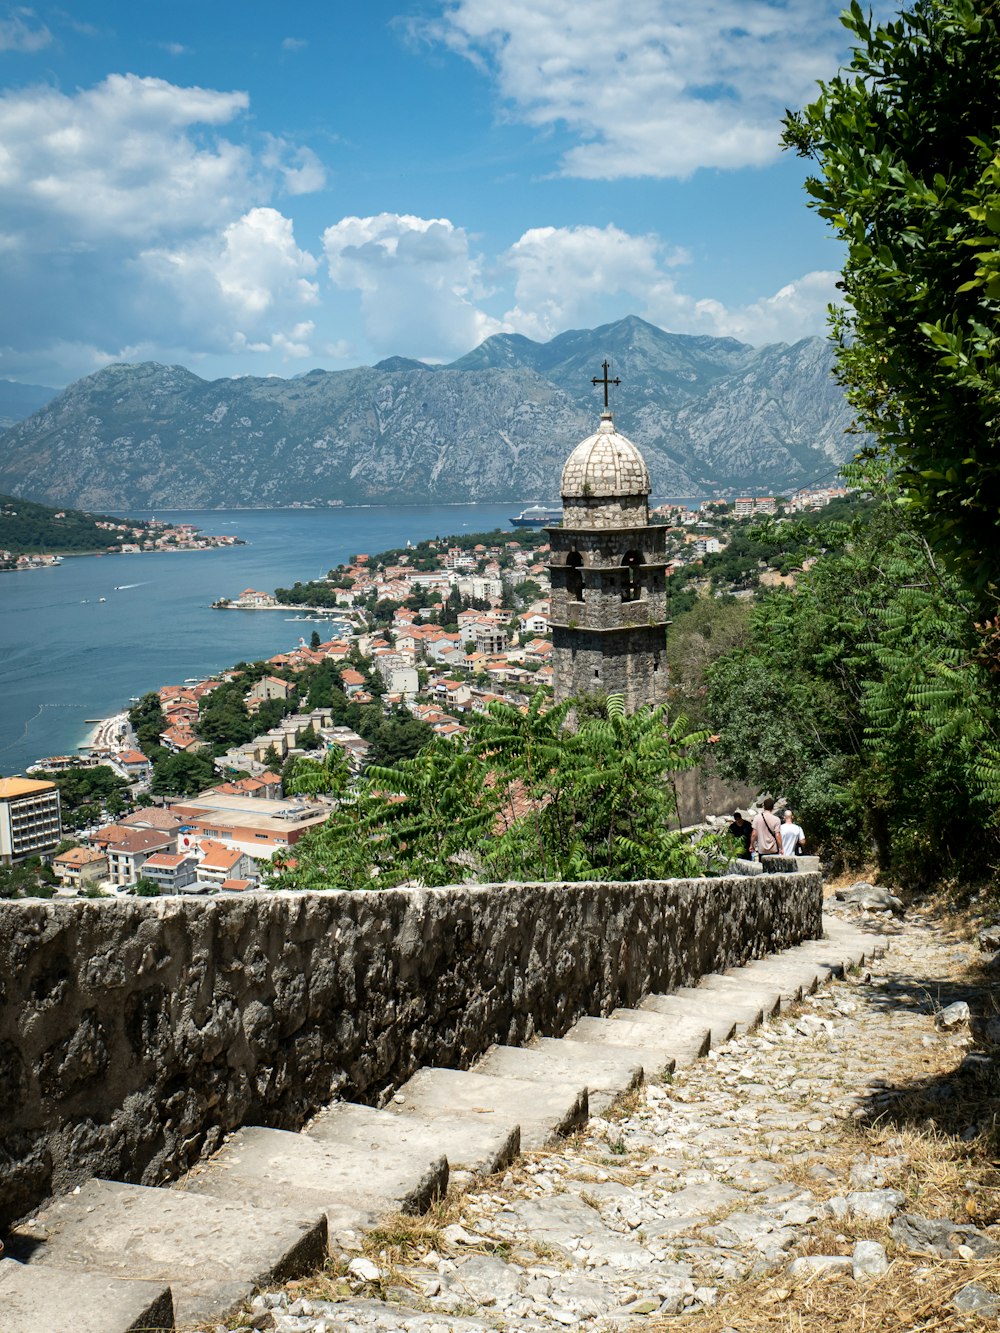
x: 632, y: 582
x: 574, y: 579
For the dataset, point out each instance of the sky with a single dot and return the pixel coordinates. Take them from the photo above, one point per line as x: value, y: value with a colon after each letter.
x: 257, y: 188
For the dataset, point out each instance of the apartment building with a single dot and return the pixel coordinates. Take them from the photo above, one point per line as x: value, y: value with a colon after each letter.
x: 30, y: 819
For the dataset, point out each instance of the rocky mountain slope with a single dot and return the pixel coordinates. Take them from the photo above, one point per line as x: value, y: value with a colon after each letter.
x: 708, y: 413
x: 19, y: 400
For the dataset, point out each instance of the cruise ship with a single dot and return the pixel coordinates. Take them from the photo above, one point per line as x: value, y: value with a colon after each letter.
x: 537, y: 516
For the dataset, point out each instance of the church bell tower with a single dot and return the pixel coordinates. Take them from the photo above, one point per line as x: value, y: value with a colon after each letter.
x: 608, y: 570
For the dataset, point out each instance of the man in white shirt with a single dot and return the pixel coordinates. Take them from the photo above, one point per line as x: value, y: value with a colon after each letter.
x: 792, y: 836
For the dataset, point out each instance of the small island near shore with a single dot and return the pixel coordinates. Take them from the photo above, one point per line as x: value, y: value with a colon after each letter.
x: 33, y: 536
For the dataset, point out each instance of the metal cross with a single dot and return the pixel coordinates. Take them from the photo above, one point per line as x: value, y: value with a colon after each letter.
x: 606, y: 382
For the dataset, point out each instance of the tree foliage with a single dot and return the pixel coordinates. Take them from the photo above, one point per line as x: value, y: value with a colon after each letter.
x: 523, y: 798
x: 866, y: 698
x: 908, y: 154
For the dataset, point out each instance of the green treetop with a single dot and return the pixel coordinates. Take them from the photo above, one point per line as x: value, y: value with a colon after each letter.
x: 906, y: 145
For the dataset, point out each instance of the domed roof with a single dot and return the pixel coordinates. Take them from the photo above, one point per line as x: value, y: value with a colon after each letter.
x: 607, y: 463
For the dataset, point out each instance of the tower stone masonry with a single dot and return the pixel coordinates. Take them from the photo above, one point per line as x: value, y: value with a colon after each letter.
x: 608, y: 569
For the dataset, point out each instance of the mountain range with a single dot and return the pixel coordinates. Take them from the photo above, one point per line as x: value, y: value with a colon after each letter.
x: 709, y: 414
x: 19, y: 400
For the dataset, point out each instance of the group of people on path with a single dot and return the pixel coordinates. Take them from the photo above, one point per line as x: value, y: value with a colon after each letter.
x: 768, y: 835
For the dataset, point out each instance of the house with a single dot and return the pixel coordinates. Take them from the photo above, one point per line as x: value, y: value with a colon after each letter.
x: 269, y: 687
x: 129, y: 853
x: 180, y: 740
x: 172, y: 871
x: 220, y: 862
x: 352, y: 681
x: 490, y: 638
x: 164, y: 821
x: 79, y: 867
x: 535, y: 620
x: 134, y: 765
x: 251, y: 599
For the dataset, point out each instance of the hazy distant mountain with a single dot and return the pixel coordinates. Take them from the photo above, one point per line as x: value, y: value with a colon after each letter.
x: 497, y: 424
x: 18, y: 401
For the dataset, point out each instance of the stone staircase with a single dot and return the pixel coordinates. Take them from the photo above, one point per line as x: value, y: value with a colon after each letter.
x: 118, y: 1258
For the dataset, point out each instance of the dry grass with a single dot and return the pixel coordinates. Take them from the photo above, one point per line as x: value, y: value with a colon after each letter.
x: 914, y: 1296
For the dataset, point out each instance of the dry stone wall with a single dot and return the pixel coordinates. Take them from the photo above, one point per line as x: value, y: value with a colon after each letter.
x: 135, y: 1033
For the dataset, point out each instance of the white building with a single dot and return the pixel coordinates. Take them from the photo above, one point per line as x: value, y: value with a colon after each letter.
x: 30, y: 819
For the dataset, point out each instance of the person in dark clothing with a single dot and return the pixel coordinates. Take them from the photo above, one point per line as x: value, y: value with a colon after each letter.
x: 742, y: 830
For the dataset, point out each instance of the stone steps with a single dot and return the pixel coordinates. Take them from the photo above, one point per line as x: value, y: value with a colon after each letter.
x: 473, y: 1145
x: 544, y: 1112
x: 210, y: 1252
x: 260, y: 1210
x: 607, y: 1073
x: 725, y: 1015
x: 268, y: 1167
x: 39, y: 1298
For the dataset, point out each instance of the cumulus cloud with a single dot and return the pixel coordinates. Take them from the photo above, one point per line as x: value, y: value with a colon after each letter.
x: 796, y: 310
x: 21, y: 30
x: 136, y: 217
x: 568, y: 275
x: 573, y: 276
x: 293, y: 44
x: 300, y: 169
x: 252, y: 269
x: 419, y: 282
x: 59, y: 178
x: 650, y: 87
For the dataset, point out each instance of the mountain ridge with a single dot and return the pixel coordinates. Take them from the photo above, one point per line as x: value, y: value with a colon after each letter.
x: 498, y: 423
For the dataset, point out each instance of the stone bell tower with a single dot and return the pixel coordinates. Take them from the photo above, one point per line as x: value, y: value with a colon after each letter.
x: 608, y: 570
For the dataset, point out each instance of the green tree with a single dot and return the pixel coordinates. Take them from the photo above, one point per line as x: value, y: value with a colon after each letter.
x: 313, y: 777
x: 223, y: 719
x: 183, y: 774
x: 905, y: 142
x: 866, y: 698
x: 147, y: 720
x: 314, y: 639
x: 525, y: 798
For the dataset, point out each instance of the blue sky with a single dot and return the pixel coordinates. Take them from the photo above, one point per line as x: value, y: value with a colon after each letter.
x: 255, y: 188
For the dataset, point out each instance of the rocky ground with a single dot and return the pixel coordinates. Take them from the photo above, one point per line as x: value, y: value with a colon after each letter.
x: 835, y: 1169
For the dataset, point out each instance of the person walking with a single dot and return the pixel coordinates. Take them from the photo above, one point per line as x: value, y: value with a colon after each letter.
x: 740, y: 830
x: 765, y: 837
x: 793, y: 839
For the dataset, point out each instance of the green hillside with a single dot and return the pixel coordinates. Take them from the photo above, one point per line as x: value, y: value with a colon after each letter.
x: 26, y: 527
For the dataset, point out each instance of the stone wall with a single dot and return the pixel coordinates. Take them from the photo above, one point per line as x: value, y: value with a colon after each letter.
x: 135, y: 1033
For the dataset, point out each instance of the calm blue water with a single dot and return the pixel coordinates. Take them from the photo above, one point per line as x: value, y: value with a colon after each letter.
x: 65, y: 656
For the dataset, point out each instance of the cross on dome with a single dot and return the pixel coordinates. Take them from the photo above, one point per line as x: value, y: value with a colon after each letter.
x: 606, y: 382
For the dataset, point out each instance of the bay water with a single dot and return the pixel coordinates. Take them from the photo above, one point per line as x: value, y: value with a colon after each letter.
x: 66, y: 656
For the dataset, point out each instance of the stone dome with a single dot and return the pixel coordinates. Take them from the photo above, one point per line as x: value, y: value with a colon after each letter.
x: 606, y: 464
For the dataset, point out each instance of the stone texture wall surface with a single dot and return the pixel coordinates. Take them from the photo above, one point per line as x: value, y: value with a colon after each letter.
x: 134, y: 1034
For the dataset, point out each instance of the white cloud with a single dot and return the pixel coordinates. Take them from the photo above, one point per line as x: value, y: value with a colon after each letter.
x: 293, y: 44
x: 797, y: 310
x: 567, y: 276
x: 21, y: 30
x: 650, y: 87
x: 581, y: 276
x: 300, y: 169
x: 136, y: 222
x: 252, y: 267
x: 418, y: 279
x: 61, y: 181
x: 175, y: 48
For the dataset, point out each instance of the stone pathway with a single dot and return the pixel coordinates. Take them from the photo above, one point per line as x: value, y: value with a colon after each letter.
x: 550, y: 1188
x: 746, y: 1164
